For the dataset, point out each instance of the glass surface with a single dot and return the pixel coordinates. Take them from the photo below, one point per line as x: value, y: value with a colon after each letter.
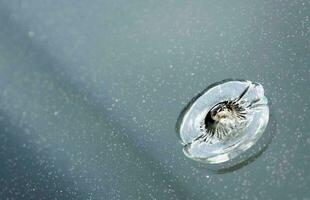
x: 90, y: 92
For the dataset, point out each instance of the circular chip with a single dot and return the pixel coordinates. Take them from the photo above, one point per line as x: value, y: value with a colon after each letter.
x: 223, y: 121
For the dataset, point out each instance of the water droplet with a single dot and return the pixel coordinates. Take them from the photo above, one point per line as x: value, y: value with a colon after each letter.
x: 223, y: 121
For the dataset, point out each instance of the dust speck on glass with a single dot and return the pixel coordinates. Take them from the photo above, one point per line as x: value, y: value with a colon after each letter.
x: 223, y: 121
